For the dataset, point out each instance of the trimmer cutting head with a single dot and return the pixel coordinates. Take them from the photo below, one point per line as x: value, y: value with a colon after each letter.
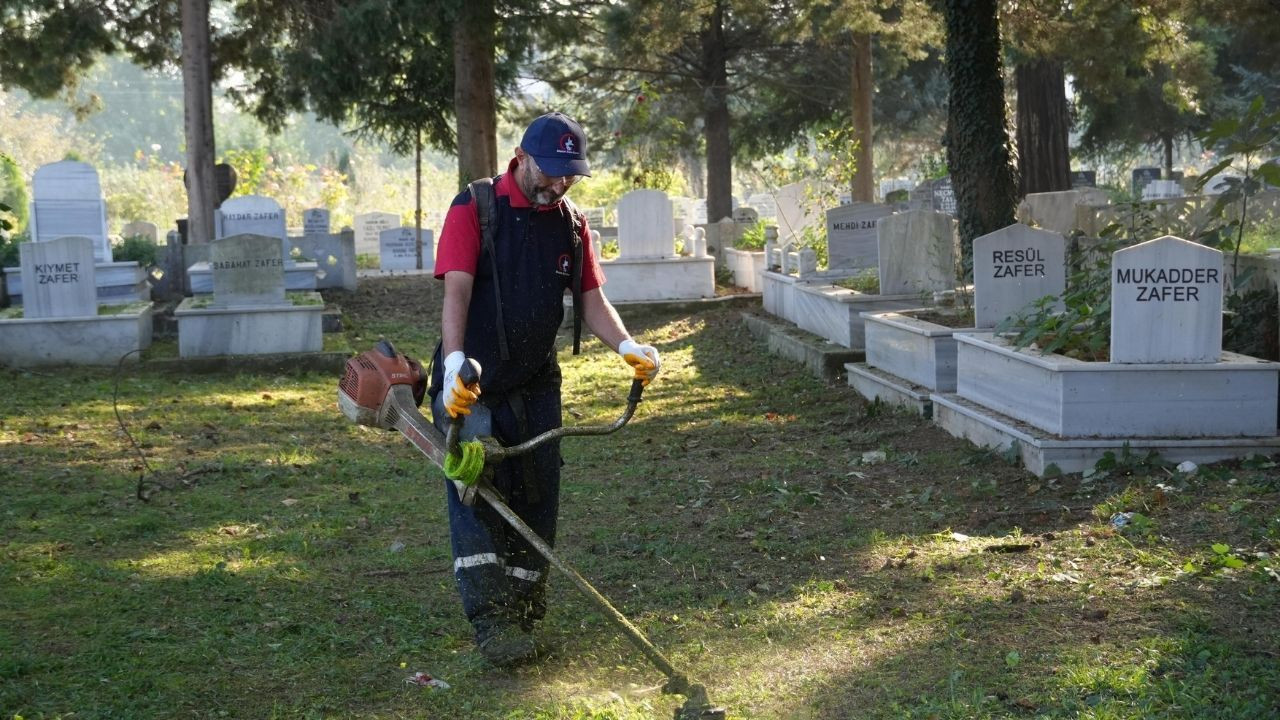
x: 364, y: 390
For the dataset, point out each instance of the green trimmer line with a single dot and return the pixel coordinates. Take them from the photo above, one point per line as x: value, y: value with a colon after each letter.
x: 377, y: 390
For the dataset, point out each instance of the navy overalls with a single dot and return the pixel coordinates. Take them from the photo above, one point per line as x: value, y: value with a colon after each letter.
x: 500, y: 577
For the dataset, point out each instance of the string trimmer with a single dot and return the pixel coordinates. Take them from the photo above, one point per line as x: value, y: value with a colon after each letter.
x: 377, y: 390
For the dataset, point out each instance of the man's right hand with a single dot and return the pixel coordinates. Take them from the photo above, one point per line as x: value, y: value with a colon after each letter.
x: 458, y: 396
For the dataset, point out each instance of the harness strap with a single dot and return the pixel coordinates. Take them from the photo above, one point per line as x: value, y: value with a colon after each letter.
x: 487, y: 213
x: 575, y: 276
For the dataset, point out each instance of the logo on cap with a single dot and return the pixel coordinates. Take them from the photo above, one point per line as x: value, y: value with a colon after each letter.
x: 568, y: 144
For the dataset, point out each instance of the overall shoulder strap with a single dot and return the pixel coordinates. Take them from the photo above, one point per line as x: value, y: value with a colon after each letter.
x: 487, y: 213
x: 575, y: 272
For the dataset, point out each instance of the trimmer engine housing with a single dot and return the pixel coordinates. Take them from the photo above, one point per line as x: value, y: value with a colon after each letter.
x: 365, y: 389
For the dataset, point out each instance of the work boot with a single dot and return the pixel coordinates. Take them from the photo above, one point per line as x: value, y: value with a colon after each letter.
x: 505, y: 645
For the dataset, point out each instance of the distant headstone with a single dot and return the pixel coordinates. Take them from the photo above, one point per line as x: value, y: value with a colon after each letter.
x: 1015, y: 266
x: 1166, y: 303
x: 397, y: 249
x: 58, y: 278
x: 224, y: 183
x: 698, y: 212
x: 808, y: 262
x: 369, y: 227
x: 795, y: 211
x: 917, y: 252
x: 140, y: 228
x: 937, y: 195
x: 251, y: 215
x: 315, y: 221
x: 851, y: 235
x: 1142, y: 176
x: 595, y: 217
x: 248, y: 271
x: 1162, y: 189
x: 1084, y: 178
x: 764, y: 205
x: 645, y: 225
x: 746, y: 215
x: 335, y: 258
x: 66, y: 201
x: 1056, y: 211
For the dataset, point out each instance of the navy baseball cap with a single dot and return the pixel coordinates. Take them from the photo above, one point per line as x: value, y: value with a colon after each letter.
x: 557, y: 144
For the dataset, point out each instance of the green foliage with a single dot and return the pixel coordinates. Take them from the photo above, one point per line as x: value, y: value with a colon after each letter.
x: 13, y: 192
x: 1241, y: 142
x: 1250, y: 324
x: 138, y: 248
x: 866, y: 281
x: 752, y: 237
x: 814, y: 237
x: 1082, y: 328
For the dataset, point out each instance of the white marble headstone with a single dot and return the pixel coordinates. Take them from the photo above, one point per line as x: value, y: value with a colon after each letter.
x: 397, y: 249
x: 851, y: 235
x: 595, y: 217
x: 315, y: 221
x: 58, y: 278
x: 1166, y: 303
x: 746, y: 215
x: 140, y: 228
x: 66, y: 201
x: 250, y: 215
x: 1056, y: 211
x: 764, y: 205
x: 248, y: 271
x: 369, y: 227
x: 917, y: 252
x: 698, y: 212
x: 645, y: 225
x: 796, y: 209
x: 1015, y: 266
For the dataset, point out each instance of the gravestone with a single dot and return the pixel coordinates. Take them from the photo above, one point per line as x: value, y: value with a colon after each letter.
x: 746, y: 215
x: 397, y: 249
x: 315, y: 221
x: 369, y: 227
x: 1142, y: 176
x: 334, y: 255
x: 917, y: 252
x: 1166, y: 303
x: 66, y: 201
x: 645, y: 225
x: 851, y: 235
x: 58, y: 278
x: 1056, y: 211
x: 795, y: 211
x: 1084, y: 178
x: 764, y: 205
x: 140, y: 228
x: 1014, y: 266
x: 248, y: 271
x: 251, y: 215
x: 595, y: 217
x: 698, y: 212
x: 1162, y: 189
x: 938, y: 195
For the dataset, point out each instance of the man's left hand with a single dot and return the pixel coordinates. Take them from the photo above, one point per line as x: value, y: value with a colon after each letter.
x: 643, y: 358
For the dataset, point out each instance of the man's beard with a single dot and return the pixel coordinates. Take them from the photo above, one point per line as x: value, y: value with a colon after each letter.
x: 541, y: 196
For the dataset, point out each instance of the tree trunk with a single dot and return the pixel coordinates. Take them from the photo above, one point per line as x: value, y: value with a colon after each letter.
x: 197, y: 90
x: 863, y: 189
x: 1044, y: 161
x: 716, y: 117
x: 417, y: 197
x: 1166, y: 142
x: 977, y: 136
x: 474, y: 95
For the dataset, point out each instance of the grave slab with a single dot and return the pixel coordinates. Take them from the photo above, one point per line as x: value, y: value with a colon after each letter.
x: 917, y: 252
x: 645, y: 225
x: 66, y: 201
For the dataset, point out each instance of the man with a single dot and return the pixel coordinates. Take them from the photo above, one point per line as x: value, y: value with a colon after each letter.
x: 502, y: 308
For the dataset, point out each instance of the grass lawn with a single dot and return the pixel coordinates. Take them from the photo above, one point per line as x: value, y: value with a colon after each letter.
x: 288, y: 564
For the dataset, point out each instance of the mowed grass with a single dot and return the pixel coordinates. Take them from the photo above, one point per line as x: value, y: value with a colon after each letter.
x: 290, y: 565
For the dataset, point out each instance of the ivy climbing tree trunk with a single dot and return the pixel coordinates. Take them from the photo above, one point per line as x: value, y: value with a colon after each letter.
x: 977, y: 136
x: 197, y: 90
x: 474, y: 97
x: 716, y: 114
x: 1044, y: 160
x: 863, y: 189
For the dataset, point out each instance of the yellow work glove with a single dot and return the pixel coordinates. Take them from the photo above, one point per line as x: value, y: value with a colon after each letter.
x: 643, y: 358
x: 458, y: 396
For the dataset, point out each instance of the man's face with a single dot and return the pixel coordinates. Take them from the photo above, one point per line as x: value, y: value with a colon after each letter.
x: 541, y: 190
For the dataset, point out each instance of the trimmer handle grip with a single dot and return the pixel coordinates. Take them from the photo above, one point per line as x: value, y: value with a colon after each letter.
x: 469, y: 373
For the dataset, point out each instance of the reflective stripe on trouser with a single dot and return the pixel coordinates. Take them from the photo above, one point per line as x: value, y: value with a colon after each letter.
x: 500, y: 576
